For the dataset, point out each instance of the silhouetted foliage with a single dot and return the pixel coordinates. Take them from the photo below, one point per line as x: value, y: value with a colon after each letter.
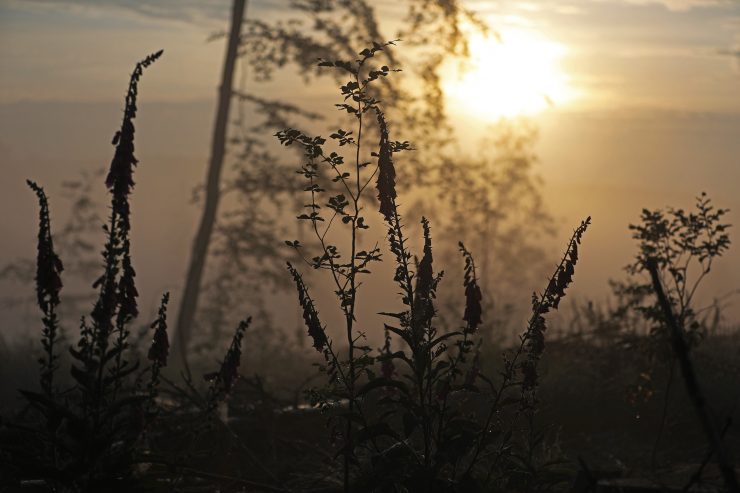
x: 473, y: 296
x: 409, y: 425
x: 89, y: 436
x: 681, y: 351
x: 684, y: 246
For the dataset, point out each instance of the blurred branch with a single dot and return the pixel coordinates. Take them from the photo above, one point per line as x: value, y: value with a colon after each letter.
x: 681, y: 350
x: 189, y: 302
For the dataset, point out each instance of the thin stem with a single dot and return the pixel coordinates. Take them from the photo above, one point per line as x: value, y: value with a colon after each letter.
x: 350, y: 314
x: 664, y: 413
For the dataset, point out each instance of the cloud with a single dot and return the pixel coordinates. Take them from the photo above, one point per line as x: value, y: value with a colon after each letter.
x: 569, y: 10
x: 178, y: 10
x: 734, y: 54
x: 218, y: 10
x: 676, y: 5
x: 682, y: 5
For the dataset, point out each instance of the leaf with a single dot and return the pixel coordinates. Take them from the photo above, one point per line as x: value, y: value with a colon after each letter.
x: 398, y: 315
x: 401, y: 333
x: 381, y: 382
x: 374, y: 431
x: 48, y: 406
x: 444, y: 337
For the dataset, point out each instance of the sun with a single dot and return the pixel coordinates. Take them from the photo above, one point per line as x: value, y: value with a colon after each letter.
x: 518, y: 74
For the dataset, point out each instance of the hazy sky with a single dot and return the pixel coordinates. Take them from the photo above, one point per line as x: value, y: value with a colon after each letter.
x: 680, y: 54
x: 651, y: 119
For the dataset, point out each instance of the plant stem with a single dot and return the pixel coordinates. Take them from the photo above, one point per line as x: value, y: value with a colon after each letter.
x: 680, y: 347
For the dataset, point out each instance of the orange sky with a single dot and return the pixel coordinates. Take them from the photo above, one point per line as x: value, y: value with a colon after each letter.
x: 667, y: 54
x: 656, y: 120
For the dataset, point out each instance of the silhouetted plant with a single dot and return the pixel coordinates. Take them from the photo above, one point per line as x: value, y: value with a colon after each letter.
x: 520, y: 371
x: 48, y: 285
x: 347, y: 208
x: 159, y: 350
x: 684, y: 246
x: 73, y: 242
x: 90, y: 431
x: 420, y: 433
x: 223, y: 380
x: 90, y: 436
x: 696, y: 394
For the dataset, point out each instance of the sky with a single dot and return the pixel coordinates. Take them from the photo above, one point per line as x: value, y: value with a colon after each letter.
x: 678, y: 54
x: 645, y: 111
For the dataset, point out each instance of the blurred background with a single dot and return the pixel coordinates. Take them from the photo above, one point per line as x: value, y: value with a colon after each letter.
x: 595, y: 107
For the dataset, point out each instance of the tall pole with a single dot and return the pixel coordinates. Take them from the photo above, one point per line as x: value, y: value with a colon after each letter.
x: 189, y: 301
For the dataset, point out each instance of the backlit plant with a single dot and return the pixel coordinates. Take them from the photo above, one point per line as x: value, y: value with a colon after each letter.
x: 404, y: 415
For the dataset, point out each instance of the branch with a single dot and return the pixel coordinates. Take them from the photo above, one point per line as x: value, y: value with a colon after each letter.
x: 692, y: 385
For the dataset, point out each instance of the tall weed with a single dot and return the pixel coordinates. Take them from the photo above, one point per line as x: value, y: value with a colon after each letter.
x: 91, y: 436
x: 406, y: 416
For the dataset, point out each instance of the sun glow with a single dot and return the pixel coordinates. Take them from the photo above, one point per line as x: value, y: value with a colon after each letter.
x: 518, y: 75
